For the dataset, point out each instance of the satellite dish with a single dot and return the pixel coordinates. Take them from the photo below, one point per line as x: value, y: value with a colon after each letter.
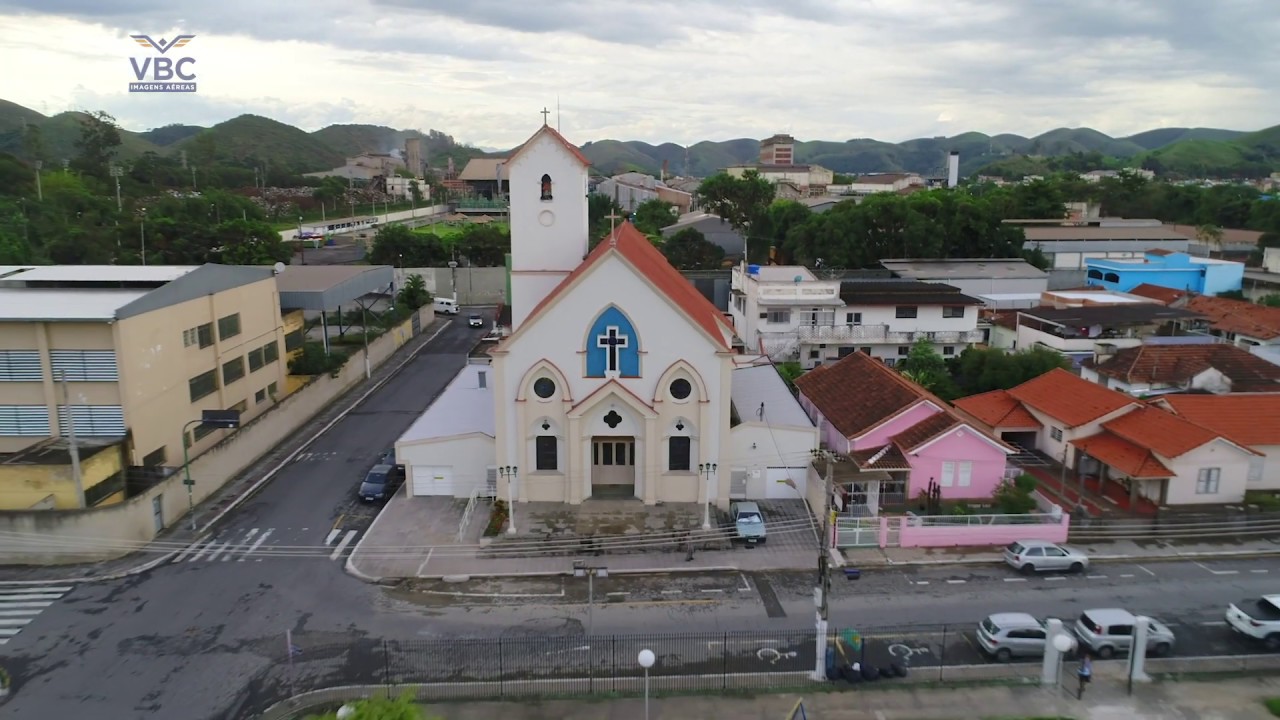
x: 278, y: 267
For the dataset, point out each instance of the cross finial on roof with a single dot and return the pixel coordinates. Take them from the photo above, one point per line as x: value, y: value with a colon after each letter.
x: 613, y: 217
x: 545, y: 113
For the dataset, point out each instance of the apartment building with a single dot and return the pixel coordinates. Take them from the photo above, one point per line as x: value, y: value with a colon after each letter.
x: 1068, y: 244
x: 133, y: 354
x: 786, y: 312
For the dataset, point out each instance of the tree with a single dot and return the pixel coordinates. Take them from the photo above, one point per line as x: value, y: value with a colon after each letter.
x: 1271, y: 300
x: 400, y: 246
x: 1210, y: 235
x: 653, y: 215
x: 97, y: 145
x: 689, y: 249
x: 415, y: 191
x: 483, y: 245
x: 247, y: 242
x: 978, y: 370
x: 413, y: 294
x: 926, y: 368
x: 742, y: 202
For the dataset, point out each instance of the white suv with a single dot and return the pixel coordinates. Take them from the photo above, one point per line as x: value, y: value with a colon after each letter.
x: 1108, y: 631
x: 1258, y: 619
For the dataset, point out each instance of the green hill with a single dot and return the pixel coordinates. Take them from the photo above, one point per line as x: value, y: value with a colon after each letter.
x: 1249, y: 155
x: 253, y: 140
x: 352, y: 140
x: 170, y: 134
x: 1154, y: 139
x: 58, y: 134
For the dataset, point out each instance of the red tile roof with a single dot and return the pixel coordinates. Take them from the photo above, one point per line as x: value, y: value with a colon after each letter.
x: 998, y: 409
x: 632, y: 245
x: 1134, y: 461
x: 891, y: 459
x: 1177, y: 364
x: 548, y: 130
x: 1158, y: 293
x: 1246, y: 419
x: 1238, y: 316
x: 1068, y: 398
x: 1161, y: 431
x: 858, y: 392
x: 925, y: 430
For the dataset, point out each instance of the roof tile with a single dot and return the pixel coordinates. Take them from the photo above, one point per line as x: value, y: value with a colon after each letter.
x: 1128, y: 458
x: 1238, y: 316
x: 1246, y: 419
x: 1177, y: 364
x: 998, y: 409
x: 1161, y: 431
x: 1068, y: 398
x: 858, y: 392
x: 1158, y: 293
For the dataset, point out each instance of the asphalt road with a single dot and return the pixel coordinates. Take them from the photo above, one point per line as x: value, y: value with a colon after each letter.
x: 183, y: 640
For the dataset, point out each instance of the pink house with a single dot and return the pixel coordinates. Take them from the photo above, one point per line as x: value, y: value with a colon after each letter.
x: 898, y: 435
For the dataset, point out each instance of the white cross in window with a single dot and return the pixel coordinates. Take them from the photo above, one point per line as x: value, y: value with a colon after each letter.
x: 610, y: 342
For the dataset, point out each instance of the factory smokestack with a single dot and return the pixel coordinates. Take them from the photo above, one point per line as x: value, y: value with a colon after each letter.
x: 953, y: 169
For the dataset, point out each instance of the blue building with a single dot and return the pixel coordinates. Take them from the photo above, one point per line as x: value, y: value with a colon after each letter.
x: 1175, y: 270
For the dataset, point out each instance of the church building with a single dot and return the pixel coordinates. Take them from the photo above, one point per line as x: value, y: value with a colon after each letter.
x: 616, y: 377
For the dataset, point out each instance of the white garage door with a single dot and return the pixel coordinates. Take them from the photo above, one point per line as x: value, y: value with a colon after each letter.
x: 432, y: 479
x: 779, y: 481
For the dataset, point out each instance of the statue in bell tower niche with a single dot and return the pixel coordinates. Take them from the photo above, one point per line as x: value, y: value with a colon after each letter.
x: 546, y: 187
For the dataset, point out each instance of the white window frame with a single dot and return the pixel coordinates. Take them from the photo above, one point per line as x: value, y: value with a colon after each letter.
x: 948, y: 473
x: 964, y: 473
x: 1055, y: 433
x: 1208, y: 481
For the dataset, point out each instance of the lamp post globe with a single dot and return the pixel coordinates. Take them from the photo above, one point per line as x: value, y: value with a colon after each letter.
x: 646, y: 659
x: 1063, y: 643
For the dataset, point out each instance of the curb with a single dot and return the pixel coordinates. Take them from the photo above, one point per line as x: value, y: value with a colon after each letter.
x: 138, y: 569
x: 681, y: 569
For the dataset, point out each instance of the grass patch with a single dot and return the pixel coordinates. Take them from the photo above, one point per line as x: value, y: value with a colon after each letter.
x: 447, y: 231
x: 1273, y: 706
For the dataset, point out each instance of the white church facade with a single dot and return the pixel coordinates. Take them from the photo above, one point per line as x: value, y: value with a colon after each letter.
x: 616, y: 379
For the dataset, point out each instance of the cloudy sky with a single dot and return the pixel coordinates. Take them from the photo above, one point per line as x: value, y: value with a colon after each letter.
x: 661, y: 70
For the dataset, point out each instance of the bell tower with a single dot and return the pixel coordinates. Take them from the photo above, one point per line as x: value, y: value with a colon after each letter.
x: 548, y: 215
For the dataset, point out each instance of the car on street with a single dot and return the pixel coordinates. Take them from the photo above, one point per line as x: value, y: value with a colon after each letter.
x: 474, y: 320
x: 1257, y: 618
x: 1107, y: 631
x: 378, y: 483
x: 1032, y: 556
x: 388, y: 457
x: 1005, y: 636
x: 748, y: 522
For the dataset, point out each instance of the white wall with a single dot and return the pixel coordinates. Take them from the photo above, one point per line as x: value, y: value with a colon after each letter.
x: 468, y: 455
x: 774, y: 447
x: 1232, y: 482
x: 1267, y: 468
x: 548, y: 237
x: 1055, y: 448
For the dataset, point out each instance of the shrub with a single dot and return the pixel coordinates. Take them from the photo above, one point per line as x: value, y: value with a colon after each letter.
x: 1012, y: 499
x: 1026, y: 483
x: 313, y: 360
x: 1273, y: 705
x: 497, y: 518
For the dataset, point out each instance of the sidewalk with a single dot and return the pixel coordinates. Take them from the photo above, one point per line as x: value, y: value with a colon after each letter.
x: 208, y: 513
x: 1106, y: 699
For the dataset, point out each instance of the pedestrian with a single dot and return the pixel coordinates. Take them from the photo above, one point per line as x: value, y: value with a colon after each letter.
x: 688, y: 538
x: 1084, y: 674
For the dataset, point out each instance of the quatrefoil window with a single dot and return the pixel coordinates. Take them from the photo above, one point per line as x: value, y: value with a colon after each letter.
x: 680, y: 425
x: 613, y: 419
x: 546, y: 425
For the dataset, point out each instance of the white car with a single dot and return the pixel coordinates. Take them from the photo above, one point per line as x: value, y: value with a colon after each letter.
x: 475, y: 321
x: 1030, y: 556
x: 1258, y: 619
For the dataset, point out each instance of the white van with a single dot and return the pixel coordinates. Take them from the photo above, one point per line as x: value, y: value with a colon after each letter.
x: 446, y: 306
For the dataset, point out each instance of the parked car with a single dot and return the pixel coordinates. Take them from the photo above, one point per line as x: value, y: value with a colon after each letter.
x: 1005, y: 636
x: 388, y: 457
x: 378, y: 483
x: 748, y: 522
x: 1030, y: 556
x: 1108, y: 631
x: 475, y: 321
x: 1258, y: 619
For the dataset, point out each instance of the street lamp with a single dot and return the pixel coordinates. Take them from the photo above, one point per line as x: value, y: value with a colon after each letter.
x: 709, y: 470
x: 225, y: 419
x: 39, y: 188
x: 116, y: 172
x: 509, y: 472
x: 453, y: 279
x: 646, y: 660
x: 302, y: 244
x: 590, y: 572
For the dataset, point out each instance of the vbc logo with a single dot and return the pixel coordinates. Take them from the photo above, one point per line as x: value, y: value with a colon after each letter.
x: 163, y: 69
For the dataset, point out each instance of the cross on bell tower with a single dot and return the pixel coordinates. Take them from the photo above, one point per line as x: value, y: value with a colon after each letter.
x: 545, y: 113
x: 613, y: 217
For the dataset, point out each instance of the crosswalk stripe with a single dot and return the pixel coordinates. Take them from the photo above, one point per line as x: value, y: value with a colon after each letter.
x: 187, y: 550
x: 16, y: 621
x: 220, y: 549
x: 9, y: 632
x: 346, y: 540
x: 203, y: 549
x: 36, y: 596
x: 261, y: 538
x: 332, y: 534
x: 29, y: 604
x: 19, y: 591
x: 19, y: 613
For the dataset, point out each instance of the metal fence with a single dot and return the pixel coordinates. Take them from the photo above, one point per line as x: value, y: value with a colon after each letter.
x: 515, y: 668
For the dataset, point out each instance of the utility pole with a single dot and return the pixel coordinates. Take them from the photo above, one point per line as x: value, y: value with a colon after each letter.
x: 143, y: 231
x: 116, y: 172
x: 823, y: 587
x: 71, y: 437
x: 39, y: 189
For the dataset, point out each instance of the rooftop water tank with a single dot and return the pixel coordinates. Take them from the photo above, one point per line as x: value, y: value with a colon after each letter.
x: 753, y: 269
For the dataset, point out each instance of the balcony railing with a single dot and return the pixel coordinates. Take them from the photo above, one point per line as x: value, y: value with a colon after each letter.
x: 881, y: 334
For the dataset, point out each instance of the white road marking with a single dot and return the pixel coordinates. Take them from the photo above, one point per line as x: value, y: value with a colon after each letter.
x: 20, y: 591
x: 29, y: 604
x: 672, y: 592
x: 956, y: 582
x: 617, y: 594
x: 16, y: 622
x: 1146, y: 571
x: 423, y: 566
x: 332, y: 534
x: 1015, y: 579
x: 746, y: 586
x: 1055, y: 577
x: 1126, y: 575
x: 203, y: 550
x: 187, y: 550
x: 1214, y: 623
x: 1259, y: 571
x: 8, y: 632
x: 257, y: 543
x: 218, y: 550
x: 1095, y: 577
x: 922, y: 582
x: 346, y: 540
x: 1217, y: 572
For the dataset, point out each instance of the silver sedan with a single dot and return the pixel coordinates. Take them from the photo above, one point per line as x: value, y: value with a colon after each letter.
x: 1031, y: 556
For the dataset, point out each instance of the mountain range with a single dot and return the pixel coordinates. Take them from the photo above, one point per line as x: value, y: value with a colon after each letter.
x: 251, y: 139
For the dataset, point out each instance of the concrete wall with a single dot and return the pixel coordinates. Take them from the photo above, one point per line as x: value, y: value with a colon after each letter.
x: 475, y: 285
x: 45, y: 537
x: 912, y: 533
x: 25, y: 486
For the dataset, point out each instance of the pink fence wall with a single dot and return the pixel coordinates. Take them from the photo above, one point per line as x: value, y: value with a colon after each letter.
x: 976, y: 534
